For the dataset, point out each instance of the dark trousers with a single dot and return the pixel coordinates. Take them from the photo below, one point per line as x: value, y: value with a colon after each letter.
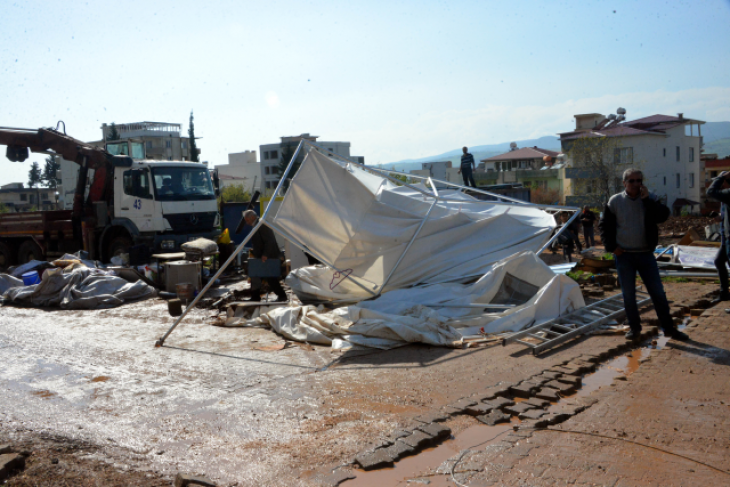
x: 588, y: 236
x: 627, y: 265
x: 468, y: 177
x: 721, y: 262
x: 274, y: 287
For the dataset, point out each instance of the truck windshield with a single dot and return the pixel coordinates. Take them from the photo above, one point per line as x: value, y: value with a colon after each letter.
x: 182, y: 183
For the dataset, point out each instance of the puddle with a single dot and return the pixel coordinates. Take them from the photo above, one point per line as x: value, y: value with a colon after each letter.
x: 101, y: 378
x: 428, y: 460
x: 420, y: 469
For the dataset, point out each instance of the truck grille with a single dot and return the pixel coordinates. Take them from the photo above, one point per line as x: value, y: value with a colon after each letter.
x: 191, y: 222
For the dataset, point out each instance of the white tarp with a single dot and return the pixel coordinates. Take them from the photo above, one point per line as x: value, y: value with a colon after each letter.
x: 361, y: 224
x: 414, y: 314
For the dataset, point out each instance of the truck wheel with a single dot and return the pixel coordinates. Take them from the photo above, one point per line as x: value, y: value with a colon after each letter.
x: 28, y: 251
x: 119, y: 245
x: 7, y: 256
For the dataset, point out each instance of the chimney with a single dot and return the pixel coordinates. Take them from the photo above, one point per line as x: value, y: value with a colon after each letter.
x: 680, y: 116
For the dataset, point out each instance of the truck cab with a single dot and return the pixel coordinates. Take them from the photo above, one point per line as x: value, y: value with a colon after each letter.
x: 162, y: 204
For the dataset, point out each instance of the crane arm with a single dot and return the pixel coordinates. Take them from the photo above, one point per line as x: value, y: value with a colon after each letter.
x: 20, y: 141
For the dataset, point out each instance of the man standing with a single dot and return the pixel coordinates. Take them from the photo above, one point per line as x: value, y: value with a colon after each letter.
x: 587, y: 218
x: 264, y: 248
x: 629, y: 229
x: 467, y: 168
x: 720, y: 190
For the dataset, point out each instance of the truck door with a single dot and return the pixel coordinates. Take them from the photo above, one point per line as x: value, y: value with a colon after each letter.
x: 135, y: 199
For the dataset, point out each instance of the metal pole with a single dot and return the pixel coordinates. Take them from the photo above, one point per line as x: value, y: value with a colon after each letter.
x: 161, y: 341
x: 562, y: 229
x: 418, y: 230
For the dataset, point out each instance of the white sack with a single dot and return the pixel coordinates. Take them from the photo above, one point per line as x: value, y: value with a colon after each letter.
x: 362, y: 223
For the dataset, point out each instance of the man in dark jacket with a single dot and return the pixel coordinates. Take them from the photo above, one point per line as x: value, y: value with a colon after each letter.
x: 629, y: 229
x: 588, y: 218
x: 264, y: 248
x: 720, y: 191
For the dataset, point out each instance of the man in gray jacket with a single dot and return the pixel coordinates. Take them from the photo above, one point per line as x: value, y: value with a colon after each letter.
x: 629, y: 229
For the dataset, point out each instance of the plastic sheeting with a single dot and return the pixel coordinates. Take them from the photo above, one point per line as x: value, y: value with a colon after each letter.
x: 416, y: 314
x: 81, y: 288
x: 362, y: 223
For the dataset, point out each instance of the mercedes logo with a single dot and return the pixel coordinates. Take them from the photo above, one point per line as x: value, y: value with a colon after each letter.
x: 193, y: 219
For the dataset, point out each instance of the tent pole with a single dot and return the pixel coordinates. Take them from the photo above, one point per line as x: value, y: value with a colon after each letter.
x: 161, y: 341
x: 418, y: 230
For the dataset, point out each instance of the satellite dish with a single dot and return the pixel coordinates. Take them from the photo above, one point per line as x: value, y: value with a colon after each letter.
x: 621, y: 111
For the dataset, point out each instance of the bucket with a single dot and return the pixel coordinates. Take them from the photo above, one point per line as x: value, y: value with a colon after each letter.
x: 185, y: 291
x: 30, y: 278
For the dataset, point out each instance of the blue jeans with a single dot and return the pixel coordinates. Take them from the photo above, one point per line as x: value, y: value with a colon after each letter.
x: 468, y: 177
x: 627, y: 265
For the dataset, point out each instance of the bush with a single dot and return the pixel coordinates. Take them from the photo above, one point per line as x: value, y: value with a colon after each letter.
x: 545, y: 196
x: 234, y: 194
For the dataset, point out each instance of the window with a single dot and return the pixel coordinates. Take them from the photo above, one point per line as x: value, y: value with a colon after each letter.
x: 44, y: 196
x: 184, y: 144
x: 137, y: 183
x: 182, y: 183
x: 23, y: 197
x: 625, y: 155
x: 664, y: 152
x: 266, y: 154
x: 168, y: 144
x: 677, y: 180
x: 32, y: 199
x: 665, y: 180
x: 691, y: 154
x: 678, y: 153
x: 273, y: 154
x: 713, y: 174
x: 149, y: 145
x: 691, y: 180
x: 274, y: 170
x: 266, y: 170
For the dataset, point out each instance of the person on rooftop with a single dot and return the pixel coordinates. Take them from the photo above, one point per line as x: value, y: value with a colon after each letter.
x: 467, y: 168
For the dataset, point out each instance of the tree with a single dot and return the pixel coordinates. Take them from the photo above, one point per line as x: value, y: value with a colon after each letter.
x: 287, y: 152
x: 191, y: 136
x: 4, y: 209
x: 234, y: 193
x: 50, y: 171
x: 602, y: 162
x: 34, y: 175
x: 113, y: 134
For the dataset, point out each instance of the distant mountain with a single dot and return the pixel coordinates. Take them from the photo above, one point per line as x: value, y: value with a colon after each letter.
x: 712, y: 131
x: 479, y: 152
x: 720, y: 147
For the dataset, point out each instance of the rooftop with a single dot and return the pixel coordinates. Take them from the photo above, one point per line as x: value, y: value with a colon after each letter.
x: 522, y: 154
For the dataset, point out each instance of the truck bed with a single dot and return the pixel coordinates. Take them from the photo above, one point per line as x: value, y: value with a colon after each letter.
x: 38, y: 224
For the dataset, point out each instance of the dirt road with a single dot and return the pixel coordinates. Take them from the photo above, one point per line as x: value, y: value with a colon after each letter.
x: 221, y: 402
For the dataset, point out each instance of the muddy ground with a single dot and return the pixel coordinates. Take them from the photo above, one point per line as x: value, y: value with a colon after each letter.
x: 92, y: 400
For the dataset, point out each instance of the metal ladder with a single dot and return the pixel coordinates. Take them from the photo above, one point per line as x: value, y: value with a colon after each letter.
x: 574, y: 324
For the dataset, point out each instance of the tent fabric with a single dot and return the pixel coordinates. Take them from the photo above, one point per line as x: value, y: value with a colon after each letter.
x: 81, y: 288
x: 362, y: 223
x: 415, y: 315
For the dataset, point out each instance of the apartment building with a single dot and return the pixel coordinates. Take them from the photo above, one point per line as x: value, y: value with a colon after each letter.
x: 16, y: 197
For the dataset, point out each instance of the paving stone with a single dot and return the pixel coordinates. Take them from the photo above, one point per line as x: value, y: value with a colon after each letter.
x: 432, y: 417
x: 10, y: 464
x: 378, y: 459
x: 400, y: 449
x: 435, y: 430
x: 479, y: 409
x: 551, y: 374
x: 523, y: 389
x: 417, y: 439
x: 532, y: 414
x: 561, y: 387
x: 494, y: 417
x: 556, y: 417
x: 399, y: 434
x: 548, y: 394
x: 336, y: 478
x: 567, y: 369
x: 539, y: 380
x: 518, y: 408
x: 499, y: 402
x: 538, y: 403
x: 462, y: 404
x: 490, y: 393
x: 183, y: 480
x: 523, y: 449
x: 575, y: 380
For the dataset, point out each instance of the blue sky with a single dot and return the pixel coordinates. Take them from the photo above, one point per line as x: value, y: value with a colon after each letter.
x: 397, y: 79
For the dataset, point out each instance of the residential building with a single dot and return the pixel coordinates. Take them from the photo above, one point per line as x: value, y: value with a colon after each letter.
x: 18, y: 198
x: 273, y: 154
x: 530, y: 158
x: 665, y: 148
x: 242, y: 168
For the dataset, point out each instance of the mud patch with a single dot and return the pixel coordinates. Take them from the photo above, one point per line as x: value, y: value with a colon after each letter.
x: 44, y: 394
x: 100, y: 378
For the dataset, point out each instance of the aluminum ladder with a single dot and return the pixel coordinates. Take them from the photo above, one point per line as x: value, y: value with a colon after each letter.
x: 574, y: 324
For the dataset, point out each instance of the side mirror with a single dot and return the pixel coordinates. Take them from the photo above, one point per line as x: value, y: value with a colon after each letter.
x: 216, y: 183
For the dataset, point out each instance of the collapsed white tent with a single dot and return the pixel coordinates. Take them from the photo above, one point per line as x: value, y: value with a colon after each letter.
x: 378, y: 236
x: 438, y: 314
